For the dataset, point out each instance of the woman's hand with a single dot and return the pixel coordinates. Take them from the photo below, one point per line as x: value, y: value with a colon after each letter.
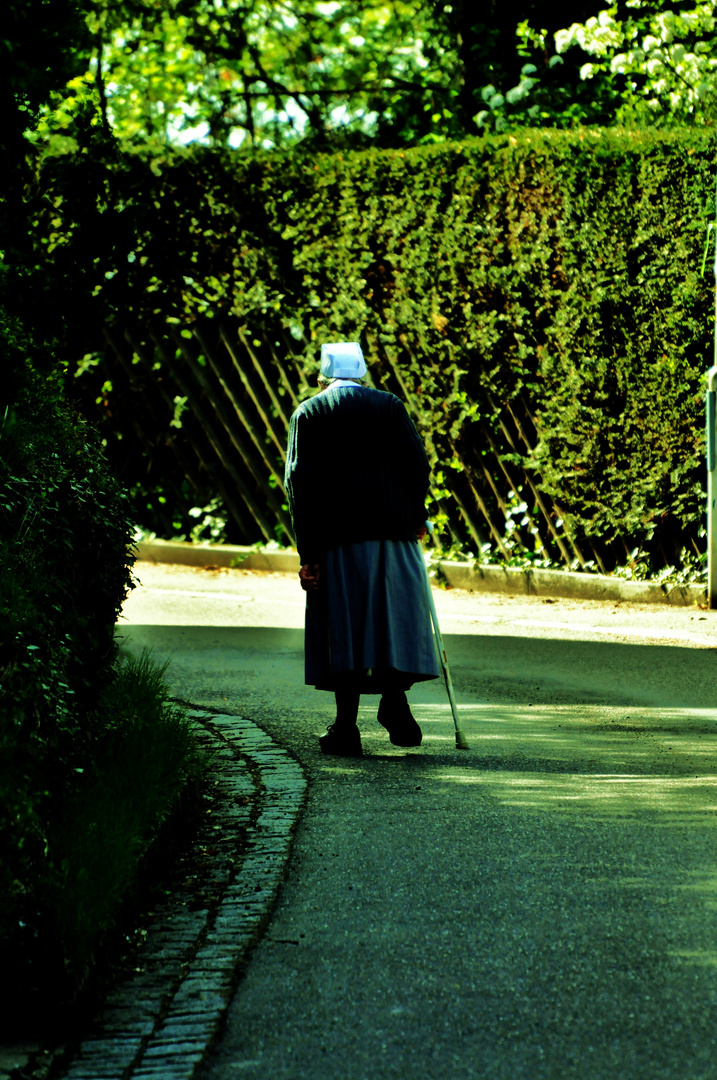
x: 309, y: 577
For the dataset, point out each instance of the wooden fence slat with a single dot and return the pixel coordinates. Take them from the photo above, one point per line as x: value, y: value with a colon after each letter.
x: 216, y: 477
x: 465, y: 513
x: 407, y: 400
x: 596, y: 556
x: 503, y: 506
x: 455, y: 538
x: 396, y: 372
x: 278, y: 365
x: 551, y: 528
x: 268, y: 492
x: 297, y: 367
x: 241, y: 401
x: 559, y: 513
x: 548, y: 518
x: 245, y: 420
x: 514, y: 487
x: 518, y: 426
x: 187, y: 469
x: 486, y: 514
x: 489, y: 521
x: 480, y: 503
x: 230, y: 428
x: 281, y: 446
x: 468, y: 519
x: 215, y: 443
x: 267, y: 384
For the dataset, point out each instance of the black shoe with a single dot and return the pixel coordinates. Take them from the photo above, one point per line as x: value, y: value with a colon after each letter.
x: 396, y: 717
x: 344, y: 742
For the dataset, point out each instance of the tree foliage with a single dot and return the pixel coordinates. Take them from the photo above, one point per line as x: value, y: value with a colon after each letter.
x: 638, y: 61
x: 665, y: 57
x: 263, y: 75
x: 337, y: 73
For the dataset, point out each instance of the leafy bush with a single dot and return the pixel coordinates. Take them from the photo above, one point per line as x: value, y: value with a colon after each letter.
x: 65, y: 564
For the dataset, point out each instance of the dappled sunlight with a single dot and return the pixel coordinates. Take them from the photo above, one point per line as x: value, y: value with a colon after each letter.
x: 613, y: 761
x: 695, y: 957
x: 690, y: 798
x: 704, y: 885
x: 586, y: 730
x: 348, y: 769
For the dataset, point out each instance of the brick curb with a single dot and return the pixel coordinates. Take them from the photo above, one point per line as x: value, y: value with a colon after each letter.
x: 161, y: 1022
x: 476, y: 578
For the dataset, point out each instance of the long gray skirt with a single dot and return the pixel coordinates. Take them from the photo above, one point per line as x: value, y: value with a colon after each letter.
x: 370, y: 617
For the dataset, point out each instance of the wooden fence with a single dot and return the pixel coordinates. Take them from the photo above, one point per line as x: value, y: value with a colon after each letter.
x: 209, y: 409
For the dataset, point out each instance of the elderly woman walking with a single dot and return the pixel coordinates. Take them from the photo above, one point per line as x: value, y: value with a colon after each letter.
x: 356, y: 480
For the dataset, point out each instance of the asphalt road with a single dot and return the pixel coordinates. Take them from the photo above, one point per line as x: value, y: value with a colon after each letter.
x: 543, y: 905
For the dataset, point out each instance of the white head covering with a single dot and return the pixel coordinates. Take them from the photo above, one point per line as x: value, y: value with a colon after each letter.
x: 342, y: 360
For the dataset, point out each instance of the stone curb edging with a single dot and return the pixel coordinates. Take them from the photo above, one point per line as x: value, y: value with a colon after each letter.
x: 473, y: 577
x: 568, y: 585
x: 185, y: 553
x: 161, y: 1023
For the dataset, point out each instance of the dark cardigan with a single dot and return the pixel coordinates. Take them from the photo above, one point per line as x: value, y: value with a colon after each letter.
x: 355, y: 470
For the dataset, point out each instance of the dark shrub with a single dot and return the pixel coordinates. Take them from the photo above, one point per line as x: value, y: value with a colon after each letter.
x: 65, y: 558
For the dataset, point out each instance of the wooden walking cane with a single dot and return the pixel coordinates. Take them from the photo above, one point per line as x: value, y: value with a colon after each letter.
x: 461, y: 743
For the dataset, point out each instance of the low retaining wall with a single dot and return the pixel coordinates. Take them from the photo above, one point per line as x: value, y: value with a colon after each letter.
x: 243, y: 558
x: 563, y: 583
x: 475, y: 578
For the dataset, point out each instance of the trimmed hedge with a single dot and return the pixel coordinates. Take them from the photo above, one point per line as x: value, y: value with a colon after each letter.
x: 552, y: 272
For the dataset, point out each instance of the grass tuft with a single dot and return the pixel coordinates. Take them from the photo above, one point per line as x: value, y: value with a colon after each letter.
x: 144, y: 761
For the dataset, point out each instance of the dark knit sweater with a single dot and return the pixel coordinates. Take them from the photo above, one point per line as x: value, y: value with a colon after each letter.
x: 355, y: 470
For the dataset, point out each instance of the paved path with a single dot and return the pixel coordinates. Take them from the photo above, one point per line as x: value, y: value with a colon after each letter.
x: 542, y: 906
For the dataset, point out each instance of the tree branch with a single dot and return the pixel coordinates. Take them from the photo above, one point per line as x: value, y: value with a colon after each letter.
x: 100, y: 84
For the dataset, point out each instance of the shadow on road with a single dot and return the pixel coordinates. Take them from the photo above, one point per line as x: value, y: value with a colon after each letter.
x: 541, y: 905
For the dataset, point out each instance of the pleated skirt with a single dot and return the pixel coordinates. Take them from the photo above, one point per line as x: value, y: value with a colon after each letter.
x: 370, y: 617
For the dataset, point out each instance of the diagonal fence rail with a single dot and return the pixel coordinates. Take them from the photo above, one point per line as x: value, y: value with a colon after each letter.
x: 206, y: 409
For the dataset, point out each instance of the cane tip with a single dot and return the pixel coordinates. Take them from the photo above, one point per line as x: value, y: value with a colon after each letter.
x: 461, y: 743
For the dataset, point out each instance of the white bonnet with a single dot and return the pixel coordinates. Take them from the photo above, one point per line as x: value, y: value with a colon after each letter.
x: 342, y: 360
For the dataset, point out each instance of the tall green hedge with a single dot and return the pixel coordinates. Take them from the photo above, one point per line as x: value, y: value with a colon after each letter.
x: 555, y: 271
